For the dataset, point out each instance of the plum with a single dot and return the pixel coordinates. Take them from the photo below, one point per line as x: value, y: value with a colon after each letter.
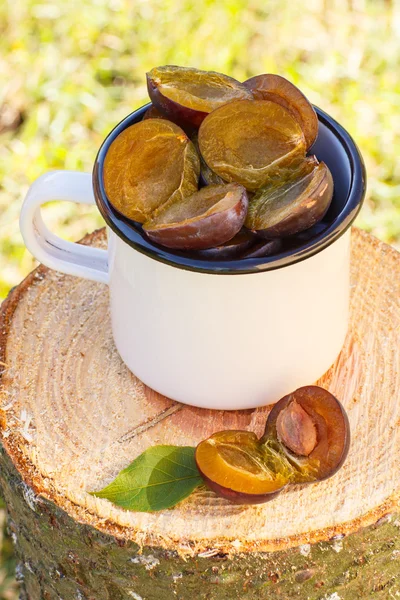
x: 311, y: 423
x: 283, y: 92
x: 291, y: 205
x: 207, y: 176
x: 186, y: 95
x: 263, y: 248
x: 208, y: 218
x: 237, y: 467
x: 247, y: 141
x: 149, y: 164
x: 233, y: 248
x: 153, y: 113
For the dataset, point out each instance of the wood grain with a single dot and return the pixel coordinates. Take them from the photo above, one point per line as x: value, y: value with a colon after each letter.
x: 73, y: 416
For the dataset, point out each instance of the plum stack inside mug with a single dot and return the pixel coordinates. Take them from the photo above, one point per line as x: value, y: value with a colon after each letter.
x: 228, y: 244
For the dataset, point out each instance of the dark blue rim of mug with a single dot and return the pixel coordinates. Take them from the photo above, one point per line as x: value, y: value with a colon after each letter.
x: 132, y: 234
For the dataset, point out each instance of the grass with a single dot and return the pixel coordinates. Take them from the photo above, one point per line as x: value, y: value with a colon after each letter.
x: 69, y: 71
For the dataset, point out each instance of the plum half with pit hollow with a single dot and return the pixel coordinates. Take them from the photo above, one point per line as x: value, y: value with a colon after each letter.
x: 208, y: 218
x: 236, y: 466
x: 283, y: 92
x: 149, y: 164
x: 249, y: 141
x: 187, y: 95
x: 291, y: 205
x: 306, y: 440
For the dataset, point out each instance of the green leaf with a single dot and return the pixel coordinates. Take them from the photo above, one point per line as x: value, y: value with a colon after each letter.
x: 159, y: 478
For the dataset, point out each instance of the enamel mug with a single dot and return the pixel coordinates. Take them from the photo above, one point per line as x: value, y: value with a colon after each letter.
x: 225, y: 335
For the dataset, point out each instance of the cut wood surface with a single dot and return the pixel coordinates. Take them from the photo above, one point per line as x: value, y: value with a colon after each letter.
x: 72, y: 416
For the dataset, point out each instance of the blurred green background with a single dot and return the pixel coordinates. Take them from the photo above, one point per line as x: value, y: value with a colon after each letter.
x: 70, y: 70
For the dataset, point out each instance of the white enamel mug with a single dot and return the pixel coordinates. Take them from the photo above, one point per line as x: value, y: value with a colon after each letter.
x: 223, y: 334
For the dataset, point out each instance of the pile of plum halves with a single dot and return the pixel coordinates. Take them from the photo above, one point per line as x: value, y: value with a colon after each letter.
x: 218, y: 167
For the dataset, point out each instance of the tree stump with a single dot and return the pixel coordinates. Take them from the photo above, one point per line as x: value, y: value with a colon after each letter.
x: 73, y: 415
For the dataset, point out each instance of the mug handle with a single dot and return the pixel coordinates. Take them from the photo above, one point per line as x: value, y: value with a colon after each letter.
x: 48, y: 248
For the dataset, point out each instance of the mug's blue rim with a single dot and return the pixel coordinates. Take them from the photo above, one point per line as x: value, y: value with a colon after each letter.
x: 136, y: 239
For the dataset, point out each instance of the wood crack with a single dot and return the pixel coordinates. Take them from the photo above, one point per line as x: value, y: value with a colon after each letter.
x: 127, y: 437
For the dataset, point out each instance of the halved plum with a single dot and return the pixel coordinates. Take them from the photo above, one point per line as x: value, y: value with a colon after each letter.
x: 293, y: 205
x: 207, y: 176
x: 263, y: 248
x: 186, y: 95
x: 236, y: 466
x: 208, y: 218
x: 312, y: 232
x: 153, y: 113
x: 234, y: 248
x: 249, y: 140
x: 314, y: 428
x: 283, y: 92
x: 149, y: 164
